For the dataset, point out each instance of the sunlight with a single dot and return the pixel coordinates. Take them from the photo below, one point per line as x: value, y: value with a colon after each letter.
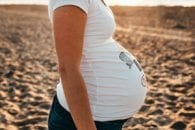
x: 151, y: 2
x: 114, y: 2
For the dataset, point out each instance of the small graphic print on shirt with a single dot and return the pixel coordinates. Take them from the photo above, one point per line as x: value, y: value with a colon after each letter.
x: 143, y: 81
x: 125, y: 58
x: 137, y: 64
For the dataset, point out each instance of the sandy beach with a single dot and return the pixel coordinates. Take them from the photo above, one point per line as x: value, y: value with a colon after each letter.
x: 162, y: 39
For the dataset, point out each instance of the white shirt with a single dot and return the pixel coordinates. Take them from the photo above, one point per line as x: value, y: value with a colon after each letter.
x: 114, y: 79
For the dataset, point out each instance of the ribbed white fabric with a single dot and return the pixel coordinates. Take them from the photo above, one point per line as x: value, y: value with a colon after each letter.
x: 114, y: 79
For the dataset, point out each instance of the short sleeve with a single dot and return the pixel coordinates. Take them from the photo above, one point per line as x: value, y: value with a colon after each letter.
x: 54, y: 4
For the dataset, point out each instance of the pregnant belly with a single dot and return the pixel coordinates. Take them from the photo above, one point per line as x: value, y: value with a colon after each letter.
x: 114, y: 78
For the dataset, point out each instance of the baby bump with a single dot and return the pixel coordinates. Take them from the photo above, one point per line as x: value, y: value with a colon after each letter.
x: 137, y: 84
x: 127, y: 86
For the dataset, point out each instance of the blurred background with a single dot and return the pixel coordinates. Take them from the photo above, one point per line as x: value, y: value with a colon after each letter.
x: 161, y: 34
x: 115, y: 2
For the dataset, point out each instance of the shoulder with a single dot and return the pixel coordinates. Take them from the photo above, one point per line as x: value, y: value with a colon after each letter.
x: 84, y: 5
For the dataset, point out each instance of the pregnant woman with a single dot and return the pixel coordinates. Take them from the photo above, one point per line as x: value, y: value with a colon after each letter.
x: 101, y: 84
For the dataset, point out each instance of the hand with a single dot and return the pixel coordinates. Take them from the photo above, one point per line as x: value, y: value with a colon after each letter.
x: 93, y: 127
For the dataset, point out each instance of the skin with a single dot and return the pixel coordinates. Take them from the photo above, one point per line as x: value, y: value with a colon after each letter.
x: 69, y: 25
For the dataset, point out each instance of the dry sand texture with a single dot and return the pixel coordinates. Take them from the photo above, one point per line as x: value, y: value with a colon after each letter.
x: 161, y: 38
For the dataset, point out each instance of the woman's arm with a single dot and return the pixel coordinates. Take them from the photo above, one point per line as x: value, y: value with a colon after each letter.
x: 69, y: 23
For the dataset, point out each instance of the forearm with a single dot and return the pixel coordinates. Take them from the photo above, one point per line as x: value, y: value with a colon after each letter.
x: 77, y: 99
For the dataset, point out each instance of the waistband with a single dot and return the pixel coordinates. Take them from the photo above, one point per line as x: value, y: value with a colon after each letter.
x: 62, y: 109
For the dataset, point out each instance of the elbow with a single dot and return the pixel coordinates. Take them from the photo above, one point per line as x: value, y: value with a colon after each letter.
x: 66, y: 70
x: 62, y: 69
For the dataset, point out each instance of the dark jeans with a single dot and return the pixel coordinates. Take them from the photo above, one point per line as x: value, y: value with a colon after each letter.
x: 60, y: 119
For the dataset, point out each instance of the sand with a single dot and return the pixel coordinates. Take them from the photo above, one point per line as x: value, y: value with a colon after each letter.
x: 161, y: 38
